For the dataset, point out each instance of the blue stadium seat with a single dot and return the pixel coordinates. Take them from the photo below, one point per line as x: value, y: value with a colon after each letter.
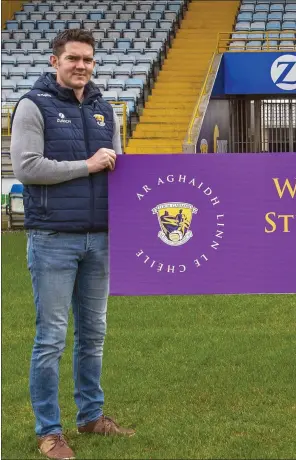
x: 75, y: 24
x: 12, y: 25
x: 105, y: 25
x: 8, y: 86
x: 145, y: 33
x: 245, y: 16
x: 242, y: 26
x: 125, y: 15
x: 58, y: 24
x: 290, y: 7
x: 289, y: 25
x: 140, y: 15
x: 102, y: 83
x: 28, y: 25
x: 145, y: 6
x: 127, y: 59
x: 35, y: 34
x: 131, y: 6
x: 29, y: 7
x: 82, y: 15
x: 124, y: 43
x: 291, y: 16
x: 135, y: 24
x: 262, y: 7
x: 117, y: 6
x: 19, y: 34
x: 9, y: 44
x: 36, y: 16
x: 18, y: 73
x: 110, y: 59
x: 152, y: 24
x: 24, y: 61
x: 106, y: 70
x: 254, y: 45
x: 247, y: 7
x: 66, y: 15
x: 59, y: 6
x: 277, y: 7
x: 21, y: 15
x: 119, y: 24
x: 275, y: 16
x: 44, y: 7
x: 51, y: 15
x: 110, y: 96
x: 96, y: 15
x: 116, y: 84
x: 140, y: 43
x: 111, y: 15
x: 43, y: 25
x: 129, y: 97
x: 260, y: 16
x: 123, y: 72
x: 273, y: 25
x: 90, y: 25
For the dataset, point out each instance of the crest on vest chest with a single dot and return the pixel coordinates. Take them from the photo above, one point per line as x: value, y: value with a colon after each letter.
x: 100, y: 119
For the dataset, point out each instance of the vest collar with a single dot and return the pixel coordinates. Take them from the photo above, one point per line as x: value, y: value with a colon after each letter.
x: 47, y: 82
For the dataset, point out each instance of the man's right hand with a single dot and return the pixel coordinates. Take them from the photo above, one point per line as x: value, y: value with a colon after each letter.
x: 102, y: 159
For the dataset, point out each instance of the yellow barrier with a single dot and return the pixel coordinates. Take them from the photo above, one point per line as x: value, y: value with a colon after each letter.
x: 202, y: 93
x: 5, y: 120
x: 225, y: 40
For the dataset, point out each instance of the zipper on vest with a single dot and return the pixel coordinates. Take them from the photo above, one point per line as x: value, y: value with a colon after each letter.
x: 92, y: 197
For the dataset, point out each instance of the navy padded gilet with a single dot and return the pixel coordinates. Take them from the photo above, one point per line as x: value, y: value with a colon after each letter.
x: 73, y: 131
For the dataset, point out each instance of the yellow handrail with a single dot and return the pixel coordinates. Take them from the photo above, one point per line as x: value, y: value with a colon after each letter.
x: 202, y: 92
x: 225, y: 39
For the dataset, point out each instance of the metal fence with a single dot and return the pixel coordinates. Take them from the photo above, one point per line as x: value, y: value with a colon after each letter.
x: 262, y: 125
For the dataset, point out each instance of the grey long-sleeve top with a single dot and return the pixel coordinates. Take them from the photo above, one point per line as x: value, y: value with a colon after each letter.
x: 27, y: 150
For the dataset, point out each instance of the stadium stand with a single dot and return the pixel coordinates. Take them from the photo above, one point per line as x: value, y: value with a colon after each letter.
x: 265, y: 25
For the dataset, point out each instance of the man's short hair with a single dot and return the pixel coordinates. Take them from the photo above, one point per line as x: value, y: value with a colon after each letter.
x: 71, y: 35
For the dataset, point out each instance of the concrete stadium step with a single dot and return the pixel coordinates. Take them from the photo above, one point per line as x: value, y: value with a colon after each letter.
x: 176, y: 85
x: 160, y: 135
x: 169, y: 105
x: 161, y: 112
x: 153, y: 127
x: 171, y: 118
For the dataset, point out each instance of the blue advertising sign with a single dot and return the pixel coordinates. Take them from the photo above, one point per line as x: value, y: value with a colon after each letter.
x: 260, y: 73
x: 257, y: 73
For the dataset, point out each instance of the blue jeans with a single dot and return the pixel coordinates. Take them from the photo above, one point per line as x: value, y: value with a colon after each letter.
x: 67, y: 269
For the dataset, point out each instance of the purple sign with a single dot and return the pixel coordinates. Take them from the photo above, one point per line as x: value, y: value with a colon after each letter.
x: 203, y: 224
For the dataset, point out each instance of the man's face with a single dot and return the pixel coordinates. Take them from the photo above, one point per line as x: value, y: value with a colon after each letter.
x: 75, y: 65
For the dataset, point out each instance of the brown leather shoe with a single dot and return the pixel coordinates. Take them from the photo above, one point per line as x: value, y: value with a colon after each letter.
x: 55, y: 446
x: 106, y: 427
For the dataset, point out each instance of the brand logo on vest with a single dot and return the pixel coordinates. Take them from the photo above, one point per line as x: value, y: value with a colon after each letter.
x: 62, y: 119
x: 44, y: 95
x: 100, y: 119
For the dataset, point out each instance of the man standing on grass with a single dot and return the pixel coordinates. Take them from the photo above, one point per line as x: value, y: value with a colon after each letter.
x: 65, y: 138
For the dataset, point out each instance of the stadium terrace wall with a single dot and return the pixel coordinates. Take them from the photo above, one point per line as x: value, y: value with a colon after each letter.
x: 215, y: 130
